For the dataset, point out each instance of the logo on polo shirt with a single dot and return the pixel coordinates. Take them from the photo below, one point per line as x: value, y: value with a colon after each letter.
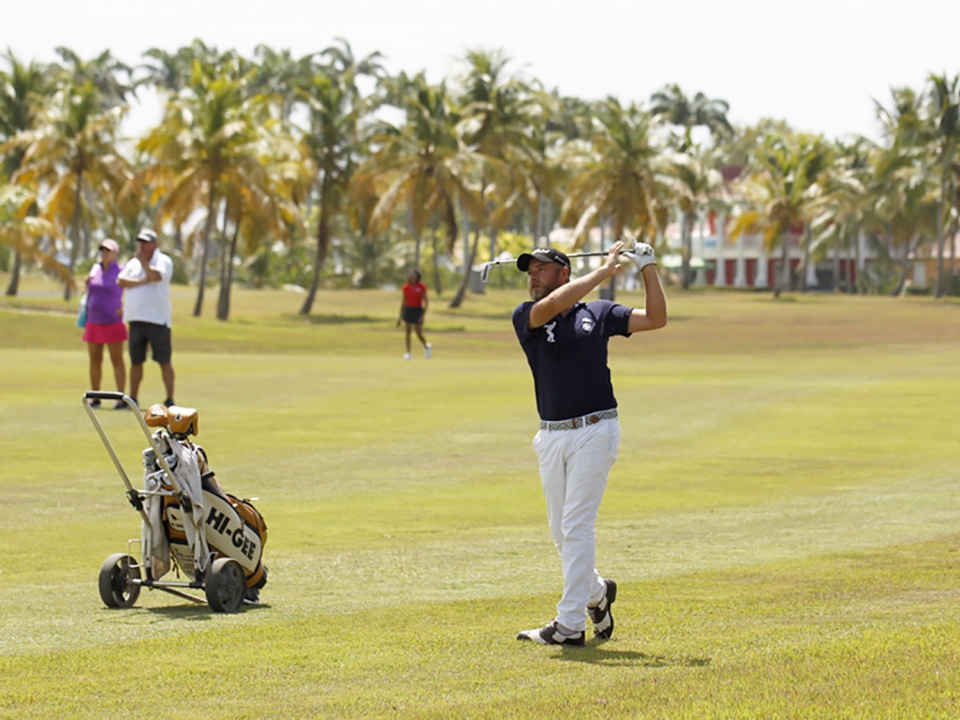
x: 550, y: 327
x: 586, y: 325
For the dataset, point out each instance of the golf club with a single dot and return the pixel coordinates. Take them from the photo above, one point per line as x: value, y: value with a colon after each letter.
x: 485, y: 269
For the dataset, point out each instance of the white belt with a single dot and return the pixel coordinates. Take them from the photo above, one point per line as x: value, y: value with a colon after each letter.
x: 578, y: 422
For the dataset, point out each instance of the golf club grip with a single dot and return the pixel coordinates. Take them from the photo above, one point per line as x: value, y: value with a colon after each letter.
x: 102, y: 395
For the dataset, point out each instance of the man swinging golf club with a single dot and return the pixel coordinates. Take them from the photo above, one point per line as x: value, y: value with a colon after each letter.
x: 565, y: 341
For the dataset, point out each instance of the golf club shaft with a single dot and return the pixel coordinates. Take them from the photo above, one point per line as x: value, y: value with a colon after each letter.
x: 485, y: 271
x: 628, y: 251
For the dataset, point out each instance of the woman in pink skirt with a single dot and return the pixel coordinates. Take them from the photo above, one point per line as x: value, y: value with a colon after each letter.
x: 105, y: 319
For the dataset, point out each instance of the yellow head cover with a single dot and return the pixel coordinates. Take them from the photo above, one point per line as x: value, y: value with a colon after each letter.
x: 180, y: 421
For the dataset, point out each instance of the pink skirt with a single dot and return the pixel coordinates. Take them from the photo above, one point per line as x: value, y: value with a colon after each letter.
x: 105, y: 334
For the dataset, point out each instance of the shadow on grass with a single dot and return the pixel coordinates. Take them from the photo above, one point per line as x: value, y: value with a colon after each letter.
x: 504, y: 316
x: 193, y: 611
x: 599, y: 655
x: 334, y: 319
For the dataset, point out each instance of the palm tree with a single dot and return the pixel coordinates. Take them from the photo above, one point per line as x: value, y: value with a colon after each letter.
x: 265, y: 208
x: 209, y: 140
x: 169, y: 74
x: 849, y: 204
x: 943, y: 114
x: 334, y: 145
x: 72, y: 155
x: 906, y: 206
x: 22, y: 230
x: 782, y: 184
x: 166, y: 72
x: 907, y: 195
x: 696, y: 183
x: 900, y: 167
x: 676, y: 108
x: 696, y: 171
x: 621, y: 176
x: 540, y: 163
x: 280, y: 75
x: 497, y: 111
x: 421, y: 163
x: 22, y: 90
x: 111, y: 78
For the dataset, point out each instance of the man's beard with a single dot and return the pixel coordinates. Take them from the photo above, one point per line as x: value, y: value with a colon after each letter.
x: 544, y: 289
x: 540, y: 293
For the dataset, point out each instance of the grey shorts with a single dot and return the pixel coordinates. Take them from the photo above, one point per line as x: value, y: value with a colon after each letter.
x: 156, y: 336
x: 412, y: 315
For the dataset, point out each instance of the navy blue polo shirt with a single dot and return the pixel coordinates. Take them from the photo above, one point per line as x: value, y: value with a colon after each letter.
x: 568, y: 357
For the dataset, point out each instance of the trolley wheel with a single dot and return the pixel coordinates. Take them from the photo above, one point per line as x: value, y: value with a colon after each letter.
x: 116, y: 574
x: 225, y: 585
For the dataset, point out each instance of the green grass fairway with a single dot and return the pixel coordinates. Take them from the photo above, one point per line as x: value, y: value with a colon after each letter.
x: 783, y: 520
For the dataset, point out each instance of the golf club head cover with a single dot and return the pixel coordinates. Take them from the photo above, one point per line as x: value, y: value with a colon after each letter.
x: 643, y: 255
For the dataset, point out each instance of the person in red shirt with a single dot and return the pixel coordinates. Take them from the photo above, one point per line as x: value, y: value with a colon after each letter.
x: 412, y: 309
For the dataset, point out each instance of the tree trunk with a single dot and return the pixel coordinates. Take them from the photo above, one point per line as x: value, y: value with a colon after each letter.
x: 436, y: 262
x: 74, y: 234
x: 14, y: 286
x: 855, y: 275
x: 904, y: 268
x: 467, y: 263
x: 720, y: 275
x: 467, y: 268
x: 783, y: 282
x: 611, y: 290
x: 836, y: 268
x: 941, y: 236
x: 686, y: 230
x: 411, y: 231
x: 549, y: 224
x: 86, y: 237
x: 223, y: 251
x: 493, y: 244
x: 494, y: 253
x: 806, y: 259
x: 952, y: 235
x: 538, y: 231
x: 450, y: 222
x: 205, y: 251
x: 226, y: 273
x: 323, y: 242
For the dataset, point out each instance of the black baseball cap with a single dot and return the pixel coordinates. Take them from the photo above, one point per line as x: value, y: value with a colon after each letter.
x: 548, y: 255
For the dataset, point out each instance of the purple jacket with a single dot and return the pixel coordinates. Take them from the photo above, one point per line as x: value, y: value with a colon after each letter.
x: 104, y: 296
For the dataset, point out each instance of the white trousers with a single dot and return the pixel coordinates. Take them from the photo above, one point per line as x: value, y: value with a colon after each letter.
x: 574, y: 465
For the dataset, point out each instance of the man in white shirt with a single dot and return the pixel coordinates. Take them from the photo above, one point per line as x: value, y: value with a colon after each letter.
x: 147, y: 311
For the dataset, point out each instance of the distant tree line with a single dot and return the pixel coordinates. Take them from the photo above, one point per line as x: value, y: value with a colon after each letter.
x: 326, y: 169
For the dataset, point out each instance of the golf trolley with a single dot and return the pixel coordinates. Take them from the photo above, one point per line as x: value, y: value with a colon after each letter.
x: 213, y: 540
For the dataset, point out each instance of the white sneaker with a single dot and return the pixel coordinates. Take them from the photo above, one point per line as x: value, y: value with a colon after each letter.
x: 406, y: 356
x: 427, y: 351
x: 552, y: 634
x: 600, y: 613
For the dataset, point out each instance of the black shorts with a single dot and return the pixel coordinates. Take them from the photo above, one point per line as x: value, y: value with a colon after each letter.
x: 412, y: 315
x: 156, y: 336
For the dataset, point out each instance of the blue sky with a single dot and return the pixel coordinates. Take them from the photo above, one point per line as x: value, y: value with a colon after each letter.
x: 817, y: 64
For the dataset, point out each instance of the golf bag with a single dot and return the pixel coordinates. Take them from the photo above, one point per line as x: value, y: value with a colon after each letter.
x: 220, y: 524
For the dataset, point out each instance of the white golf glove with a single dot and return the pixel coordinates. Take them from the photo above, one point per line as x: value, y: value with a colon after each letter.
x: 643, y: 255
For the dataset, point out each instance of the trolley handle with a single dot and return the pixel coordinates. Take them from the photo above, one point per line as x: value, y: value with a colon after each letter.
x: 165, y: 463
x: 103, y: 395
